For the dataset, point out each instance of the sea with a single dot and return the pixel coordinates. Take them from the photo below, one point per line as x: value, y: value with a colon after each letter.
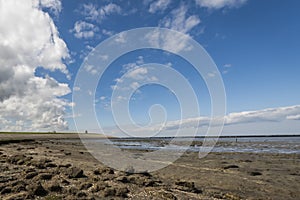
x: 265, y: 144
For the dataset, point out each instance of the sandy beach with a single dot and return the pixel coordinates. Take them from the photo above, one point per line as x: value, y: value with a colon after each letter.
x: 49, y: 167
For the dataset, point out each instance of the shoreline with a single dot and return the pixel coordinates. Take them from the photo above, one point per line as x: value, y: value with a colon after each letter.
x: 51, y: 168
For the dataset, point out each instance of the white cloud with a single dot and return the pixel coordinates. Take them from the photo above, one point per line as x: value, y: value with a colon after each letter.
x: 107, y: 32
x: 169, y: 64
x: 169, y: 41
x: 28, y: 39
x: 102, y: 98
x: 270, y: 114
x: 37, y: 105
x: 89, y: 48
x: 211, y: 74
x: 293, y: 117
x: 275, y: 115
x: 103, y: 57
x: 76, y: 88
x: 84, y: 30
x: 138, y: 73
x: 140, y: 60
x: 134, y: 74
x: 121, y: 98
x: 118, y: 80
x: 121, y: 38
x: 89, y: 11
x: 90, y: 69
x: 226, y: 68
x: 92, y: 12
x: 218, y: 4
x: 179, y: 21
x: 30, y: 34
x: 159, y: 5
x: 54, y: 5
x: 135, y: 85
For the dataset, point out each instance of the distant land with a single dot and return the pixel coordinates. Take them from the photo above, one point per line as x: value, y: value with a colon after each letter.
x: 222, y: 136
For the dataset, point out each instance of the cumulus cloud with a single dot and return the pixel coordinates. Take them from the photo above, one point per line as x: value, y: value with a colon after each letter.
x: 179, y: 21
x: 133, y: 72
x: 168, y: 41
x: 159, y: 5
x: 95, y: 13
x: 218, y: 4
x: 133, y: 76
x: 121, y: 38
x: 54, y: 5
x: 84, y: 30
x: 137, y: 74
x: 90, y: 69
x: 108, y: 32
x: 29, y: 39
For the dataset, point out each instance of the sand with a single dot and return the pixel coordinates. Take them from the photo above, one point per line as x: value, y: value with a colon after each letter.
x: 48, y: 167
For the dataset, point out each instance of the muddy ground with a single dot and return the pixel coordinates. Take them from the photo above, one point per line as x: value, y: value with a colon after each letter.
x: 42, y: 168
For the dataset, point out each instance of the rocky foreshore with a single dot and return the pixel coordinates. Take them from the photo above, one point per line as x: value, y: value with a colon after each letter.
x: 32, y: 170
x: 53, y: 169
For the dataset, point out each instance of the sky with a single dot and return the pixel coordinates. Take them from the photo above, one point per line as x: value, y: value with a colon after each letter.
x: 45, y: 44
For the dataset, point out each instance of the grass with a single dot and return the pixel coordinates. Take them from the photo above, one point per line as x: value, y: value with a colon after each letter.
x: 35, y: 133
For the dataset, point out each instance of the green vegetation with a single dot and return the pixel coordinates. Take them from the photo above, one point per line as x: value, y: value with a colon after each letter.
x: 36, y: 133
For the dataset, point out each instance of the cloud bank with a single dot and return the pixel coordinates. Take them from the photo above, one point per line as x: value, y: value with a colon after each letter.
x: 218, y: 4
x: 29, y: 39
x: 271, y: 115
x: 265, y: 115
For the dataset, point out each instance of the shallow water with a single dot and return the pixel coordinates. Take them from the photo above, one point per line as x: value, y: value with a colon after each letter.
x: 246, y: 144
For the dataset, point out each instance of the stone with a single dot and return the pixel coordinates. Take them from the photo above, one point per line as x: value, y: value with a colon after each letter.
x: 45, y: 176
x: 187, y: 186
x: 30, y: 175
x: 122, y: 179
x: 65, y: 182
x: 109, y: 192
x: 86, y: 186
x: 231, y: 167
x: 51, y: 165
x: 19, y: 186
x: 65, y: 165
x: 55, y: 187
x: 74, y: 172
x: 255, y: 173
x: 81, y: 194
x: 73, y: 190
x: 6, y: 190
x: 14, y: 159
x: 121, y: 191
x: 37, y: 189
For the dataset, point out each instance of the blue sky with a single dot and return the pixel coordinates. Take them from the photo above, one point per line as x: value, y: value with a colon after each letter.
x: 255, y: 45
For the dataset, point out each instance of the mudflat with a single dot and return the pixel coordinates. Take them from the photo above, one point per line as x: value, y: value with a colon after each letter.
x: 49, y: 167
